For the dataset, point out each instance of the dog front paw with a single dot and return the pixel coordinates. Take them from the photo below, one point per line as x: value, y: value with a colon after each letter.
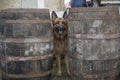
x: 59, y: 74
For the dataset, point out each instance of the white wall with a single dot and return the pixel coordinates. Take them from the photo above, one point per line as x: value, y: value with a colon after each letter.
x: 53, y: 5
x: 29, y: 3
x: 41, y: 4
x: 18, y: 4
x: 56, y: 5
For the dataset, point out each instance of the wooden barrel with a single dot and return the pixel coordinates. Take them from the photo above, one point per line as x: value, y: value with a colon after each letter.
x: 94, y: 43
x: 26, y: 49
x: 24, y: 14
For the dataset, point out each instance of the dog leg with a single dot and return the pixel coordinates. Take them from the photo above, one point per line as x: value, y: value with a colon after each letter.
x: 58, y: 58
x: 67, y: 64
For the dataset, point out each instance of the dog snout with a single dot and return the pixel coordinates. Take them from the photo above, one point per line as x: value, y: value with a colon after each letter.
x: 60, y: 29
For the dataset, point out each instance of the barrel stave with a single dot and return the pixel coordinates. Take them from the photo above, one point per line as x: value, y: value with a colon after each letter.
x: 94, y: 48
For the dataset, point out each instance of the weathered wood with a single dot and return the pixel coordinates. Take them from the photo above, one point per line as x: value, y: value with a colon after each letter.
x: 26, y: 47
x: 94, y: 43
x: 101, y: 13
x: 27, y: 28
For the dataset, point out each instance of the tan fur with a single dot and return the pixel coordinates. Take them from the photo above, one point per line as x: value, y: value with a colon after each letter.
x: 61, y: 44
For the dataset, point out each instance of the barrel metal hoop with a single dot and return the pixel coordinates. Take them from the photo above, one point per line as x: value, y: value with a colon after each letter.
x: 26, y: 40
x: 95, y: 36
x: 28, y: 21
x: 111, y: 74
x: 29, y: 75
x: 20, y: 10
x: 95, y: 17
x: 33, y: 58
x: 78, y: 57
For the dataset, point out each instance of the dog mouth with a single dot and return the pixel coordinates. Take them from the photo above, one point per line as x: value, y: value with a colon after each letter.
x: 60, y: 30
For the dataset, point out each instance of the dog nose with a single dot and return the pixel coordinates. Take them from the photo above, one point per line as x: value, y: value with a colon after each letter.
x: 60, y: 29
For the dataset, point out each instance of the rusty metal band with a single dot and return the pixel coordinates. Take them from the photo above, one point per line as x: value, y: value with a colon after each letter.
x: 93, y: 17
x: 97, y: 76
x: 78, y: 57
x: 20, y: 10
x: 111, y: 74
x: 28, y: 21
x: 95, y: 36
x: 29, y: 75
x: 26, y: 40
x: 33, y: 58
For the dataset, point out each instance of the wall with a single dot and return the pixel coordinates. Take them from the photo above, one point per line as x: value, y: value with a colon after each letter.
x: 56, y: 5
x: 53, y: 5
x: 18, y: 4
x: 29, y: 3
x: 41, y: 4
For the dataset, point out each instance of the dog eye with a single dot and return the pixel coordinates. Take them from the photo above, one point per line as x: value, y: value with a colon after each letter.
x: 56, y: 23
x: 64, y: 28
x: 63, y: 22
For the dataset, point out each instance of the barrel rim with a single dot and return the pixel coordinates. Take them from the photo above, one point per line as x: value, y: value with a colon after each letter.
x: 78, y: 57
x: 112, y: 74
x: 25, y: 10
x: 27, y: 40
x: 30, y: 58
x: 95, y: 36
x: 33, y: 21
x: 28, y: 75
x: 93, y: 17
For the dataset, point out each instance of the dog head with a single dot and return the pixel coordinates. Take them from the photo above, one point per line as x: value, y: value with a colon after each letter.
x: 60, y: 28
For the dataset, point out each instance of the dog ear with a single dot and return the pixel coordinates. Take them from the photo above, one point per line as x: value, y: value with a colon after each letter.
x: 54, y: 15
x: 65, y: 15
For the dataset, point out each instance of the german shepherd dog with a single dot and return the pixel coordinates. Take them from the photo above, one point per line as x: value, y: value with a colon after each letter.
x: 60, y: 33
